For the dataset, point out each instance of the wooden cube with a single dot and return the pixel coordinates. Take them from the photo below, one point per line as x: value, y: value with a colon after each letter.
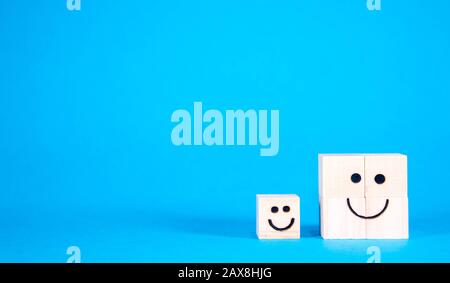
x: 278, y: 216
x: 341, y: 176
x: 363, y: 196
x: 386, y: 175
x: 338, y: 222
x: 393, y: 223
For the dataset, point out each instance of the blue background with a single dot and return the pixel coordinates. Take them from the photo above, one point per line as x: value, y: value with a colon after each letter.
x: 86, y: 98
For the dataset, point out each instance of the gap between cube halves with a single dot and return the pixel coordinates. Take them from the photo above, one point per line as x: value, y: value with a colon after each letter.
x: 361, y: 196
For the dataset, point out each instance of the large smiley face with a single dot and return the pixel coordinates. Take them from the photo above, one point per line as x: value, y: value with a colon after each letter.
x: 379, y: 179
x: 363, y: 196
x: 278, y: 216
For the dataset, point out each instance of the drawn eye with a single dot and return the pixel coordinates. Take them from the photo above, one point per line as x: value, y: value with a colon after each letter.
x: 274, y: 209
x: 356, y: 178
x: 380, y: 179
x: 286, y: 208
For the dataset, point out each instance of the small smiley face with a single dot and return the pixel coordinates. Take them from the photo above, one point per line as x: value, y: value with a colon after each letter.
x: 286, y: 209
x: 278, y: 216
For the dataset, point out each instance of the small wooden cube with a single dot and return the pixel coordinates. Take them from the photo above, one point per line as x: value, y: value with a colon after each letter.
x: 338, y: 221
x: 393, y: 223
x: 278, y: 216
x: 386, y: 175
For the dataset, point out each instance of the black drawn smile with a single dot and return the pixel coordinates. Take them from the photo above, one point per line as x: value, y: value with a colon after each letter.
x: 281, y: 229
x: 368, y: 217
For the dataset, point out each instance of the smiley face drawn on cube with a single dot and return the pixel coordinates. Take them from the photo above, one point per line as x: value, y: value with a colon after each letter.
x: 363, y: 196
x: 278, y: 216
